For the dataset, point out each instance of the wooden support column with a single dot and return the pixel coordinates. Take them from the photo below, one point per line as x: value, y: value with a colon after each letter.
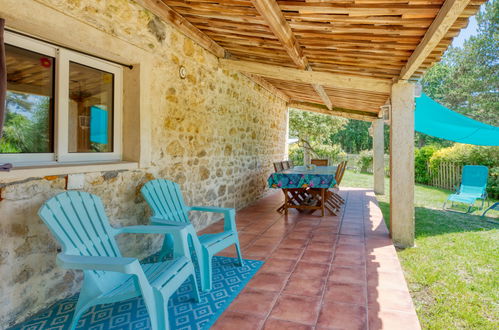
x: 402, y: 164
x: 379, y: 156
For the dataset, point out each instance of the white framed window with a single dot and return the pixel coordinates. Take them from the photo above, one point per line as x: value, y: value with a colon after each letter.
x: 62, y: 106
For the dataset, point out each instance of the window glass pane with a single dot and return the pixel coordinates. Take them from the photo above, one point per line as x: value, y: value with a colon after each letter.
x: 90, y: 109
x: 30, y: 102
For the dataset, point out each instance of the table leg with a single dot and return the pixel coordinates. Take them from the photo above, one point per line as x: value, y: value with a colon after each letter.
x: 323, y: 201
x: 286, y: 202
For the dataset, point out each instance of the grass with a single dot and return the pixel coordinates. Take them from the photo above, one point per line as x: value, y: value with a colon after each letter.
x: 453, y: 272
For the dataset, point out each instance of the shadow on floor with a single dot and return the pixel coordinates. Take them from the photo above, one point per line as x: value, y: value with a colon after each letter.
x: 432, y: 222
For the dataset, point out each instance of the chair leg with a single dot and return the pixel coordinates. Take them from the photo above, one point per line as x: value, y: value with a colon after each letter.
x: 167, y: 248
x: 156, y: 304
x: 206, y: 271
x: 81, y: 307
x: 239, y: 254
x: 195, y: 294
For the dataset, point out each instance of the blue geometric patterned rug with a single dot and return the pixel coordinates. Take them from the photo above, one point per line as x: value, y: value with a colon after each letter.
x: 185, y: 314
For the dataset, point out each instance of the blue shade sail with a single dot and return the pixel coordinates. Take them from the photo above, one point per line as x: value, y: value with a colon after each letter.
x: 98, y: 125
x: 434, y: 119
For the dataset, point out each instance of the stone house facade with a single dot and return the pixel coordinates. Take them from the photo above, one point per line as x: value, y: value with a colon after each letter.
x: 215, y: 132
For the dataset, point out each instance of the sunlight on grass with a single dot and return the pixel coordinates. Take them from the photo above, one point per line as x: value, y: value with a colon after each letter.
x: 453, y: 271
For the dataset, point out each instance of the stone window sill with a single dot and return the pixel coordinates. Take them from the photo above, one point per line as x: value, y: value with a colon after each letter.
x: 24, y: 172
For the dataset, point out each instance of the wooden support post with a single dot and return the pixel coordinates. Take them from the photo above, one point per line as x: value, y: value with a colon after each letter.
x: 379, y: 156
x: 402, y: 164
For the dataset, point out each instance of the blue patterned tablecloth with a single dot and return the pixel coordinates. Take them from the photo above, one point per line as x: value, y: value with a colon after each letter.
x: 301, y: 177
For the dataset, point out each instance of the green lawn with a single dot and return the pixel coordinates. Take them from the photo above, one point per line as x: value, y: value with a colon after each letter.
x: 453, y: 272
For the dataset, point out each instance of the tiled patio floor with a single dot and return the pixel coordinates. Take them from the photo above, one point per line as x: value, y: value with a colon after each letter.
x: 335, y: 272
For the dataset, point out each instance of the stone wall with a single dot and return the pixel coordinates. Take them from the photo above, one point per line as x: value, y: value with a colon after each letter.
x: 216, y: 133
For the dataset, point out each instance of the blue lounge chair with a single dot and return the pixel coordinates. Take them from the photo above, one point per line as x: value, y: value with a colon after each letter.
x: 79, y: 222
x: 473, y: 186
x: 494, y: 206
x: 165, y: 199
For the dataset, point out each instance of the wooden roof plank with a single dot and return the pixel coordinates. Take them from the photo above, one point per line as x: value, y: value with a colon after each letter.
x: 310, y: 77
x: 446, y: 17
x: 163, y: 11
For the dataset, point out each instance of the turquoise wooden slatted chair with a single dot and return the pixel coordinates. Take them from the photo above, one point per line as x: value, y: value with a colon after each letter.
x: 165, y: 199
x: 79, y: 222
x: 473, y: 186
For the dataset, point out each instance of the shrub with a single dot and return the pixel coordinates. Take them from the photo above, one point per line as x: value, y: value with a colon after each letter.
x: 493, y: 183
x: 464, y: 154
x: 365, y: 161
x: 332, y: 152
x: 421, y: 158
x: 296, y: 154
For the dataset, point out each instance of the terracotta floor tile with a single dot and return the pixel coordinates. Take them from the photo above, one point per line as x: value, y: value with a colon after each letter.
x: 317, y: 256
x: 345, y: 260
x: 325, y: 238
x: 311, y: 270
x: 389, y: 319
x: 300, y: 285
x: 278, y: 265
x: 362, y: 258
x: 299, y: 235
x: 346, y: 293
x: 355, y: 275
x: 387, y: 280
x: 291, y: 243
x: 256, y: 302
x: 297, y: 309
x: 258, y: 250
x: 274, y: 324
x: 268, y: 241
x: 342, y: 316
x: 321, y: 246
x: 380, y: 298
x: 232, y: 320
x: 268, y: 281
x: 245, y: 239
x: 286, y: 253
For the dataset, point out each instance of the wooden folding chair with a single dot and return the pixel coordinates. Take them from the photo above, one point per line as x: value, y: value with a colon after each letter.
x: 320, y: 162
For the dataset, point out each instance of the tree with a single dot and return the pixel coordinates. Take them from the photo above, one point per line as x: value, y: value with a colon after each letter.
x: 313, y: 131
x: 467, y: 79
x: 354, y: 137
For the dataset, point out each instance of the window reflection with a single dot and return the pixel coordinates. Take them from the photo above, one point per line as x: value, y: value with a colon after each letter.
x: 90, y: 109
x: 28, y: 126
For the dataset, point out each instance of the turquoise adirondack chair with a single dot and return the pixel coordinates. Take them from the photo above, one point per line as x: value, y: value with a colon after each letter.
x: 473, y: 186
x: 165, y: 199
x: 78, y: 220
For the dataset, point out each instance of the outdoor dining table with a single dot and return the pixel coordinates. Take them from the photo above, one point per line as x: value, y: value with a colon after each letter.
x: 305, y: 188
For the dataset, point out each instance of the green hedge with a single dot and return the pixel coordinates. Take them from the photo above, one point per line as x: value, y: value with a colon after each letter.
x: 465, y: 154
x: 421, y: 158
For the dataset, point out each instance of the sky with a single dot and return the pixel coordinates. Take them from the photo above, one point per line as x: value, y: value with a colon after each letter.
x: 464, y: 35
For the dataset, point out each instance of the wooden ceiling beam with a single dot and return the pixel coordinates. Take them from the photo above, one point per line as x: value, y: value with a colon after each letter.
x: 267, y: 86
x: 164, y: 12
x: 272, y: 14
x: 340, y: 81
x: 447, y: 15
x: 320, y: 108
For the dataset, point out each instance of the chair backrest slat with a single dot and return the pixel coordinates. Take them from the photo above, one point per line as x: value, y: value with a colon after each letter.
x: 474, y: 179
x: 340, y: 170
x: 166, y: 201
x: 320, y: 162
x: 278, y: 166
x: 79, y: 222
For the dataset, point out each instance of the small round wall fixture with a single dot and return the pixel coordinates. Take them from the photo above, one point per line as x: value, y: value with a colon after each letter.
x: 182, y: 72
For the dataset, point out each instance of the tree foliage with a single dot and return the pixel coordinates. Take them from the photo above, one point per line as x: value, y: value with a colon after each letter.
x: 467, y: 79
x: 313, y: 131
